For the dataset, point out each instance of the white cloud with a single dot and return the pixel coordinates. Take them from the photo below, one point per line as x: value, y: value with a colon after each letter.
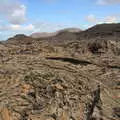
x: 91, y: 18
x: 30, y: 27
x: 106, y: 2
x: 14, y: 27
x: 12, y: 12
x: 108, y: 19
x: 18, y: 16
x: 17, y: 28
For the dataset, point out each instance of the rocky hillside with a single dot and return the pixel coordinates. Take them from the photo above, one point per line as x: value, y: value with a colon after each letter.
x: 60, y: 78
x: 102, y: 30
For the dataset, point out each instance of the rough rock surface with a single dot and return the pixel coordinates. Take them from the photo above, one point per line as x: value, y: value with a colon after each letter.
x: 70, y: 80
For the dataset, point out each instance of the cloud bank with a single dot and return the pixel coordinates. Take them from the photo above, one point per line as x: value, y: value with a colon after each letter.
x: 13, y: 12
x: 108, y: 19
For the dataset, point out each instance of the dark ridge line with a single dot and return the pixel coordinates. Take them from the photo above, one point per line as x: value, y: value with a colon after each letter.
x: 114, y: 67
x: 81, y: 62
x: 70, y: 60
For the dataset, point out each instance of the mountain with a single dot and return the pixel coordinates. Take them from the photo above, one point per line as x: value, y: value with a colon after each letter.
x: 42, y: 35
x: 102, y: 30
x: 97, y: 31
x: 45, y: 34
x: 70, y: 30
x: 61, y: 77
x: 20, y: 39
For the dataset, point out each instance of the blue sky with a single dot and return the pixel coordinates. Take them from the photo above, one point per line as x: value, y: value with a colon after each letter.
x: 28, y: 16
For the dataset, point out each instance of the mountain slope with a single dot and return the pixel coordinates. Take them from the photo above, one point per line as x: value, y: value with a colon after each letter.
x: 102, y: 30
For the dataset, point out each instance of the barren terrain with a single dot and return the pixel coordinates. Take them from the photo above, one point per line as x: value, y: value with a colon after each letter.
x: 70, y: 76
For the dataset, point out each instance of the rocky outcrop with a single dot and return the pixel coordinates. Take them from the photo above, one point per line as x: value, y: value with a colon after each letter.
x: 93, y: 109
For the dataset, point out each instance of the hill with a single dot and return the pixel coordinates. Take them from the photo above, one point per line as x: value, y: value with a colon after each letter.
x: 45, y: 34
x: 102, y: 30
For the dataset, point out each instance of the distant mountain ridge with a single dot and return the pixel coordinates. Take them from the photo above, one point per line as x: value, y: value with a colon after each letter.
x: 99, y: 30
x: 46, y: 34
x: 68, y: 34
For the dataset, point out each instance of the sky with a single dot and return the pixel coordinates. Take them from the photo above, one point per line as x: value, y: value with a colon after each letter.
x: 29, y: 16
